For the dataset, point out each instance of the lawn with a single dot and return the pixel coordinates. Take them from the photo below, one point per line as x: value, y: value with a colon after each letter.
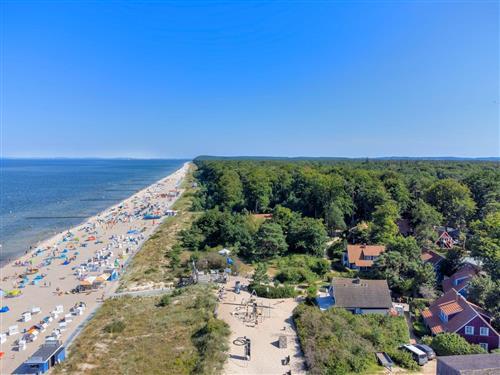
x: 180, y: 336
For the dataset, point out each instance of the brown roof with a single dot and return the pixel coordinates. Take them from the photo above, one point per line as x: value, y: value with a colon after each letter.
x: 357, y: 293
x: 263, y: 216
x: 355, y: 254
x: 450, y: 303
x: 429, y: 256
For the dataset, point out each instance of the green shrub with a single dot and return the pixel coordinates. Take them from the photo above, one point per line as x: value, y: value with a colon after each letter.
x: 268, y: 291
x: 453, y: 344
x: 339, y: 342
x: 420, y: 328
x: 403, y: 359
x: 116, y: 326
x: 212, y: 345
x: 164, y: 301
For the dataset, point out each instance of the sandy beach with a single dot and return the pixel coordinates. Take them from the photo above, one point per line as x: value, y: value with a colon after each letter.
x: 90, y: 257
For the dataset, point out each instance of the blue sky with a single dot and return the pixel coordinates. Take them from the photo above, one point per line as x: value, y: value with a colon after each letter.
x: 282, y: 78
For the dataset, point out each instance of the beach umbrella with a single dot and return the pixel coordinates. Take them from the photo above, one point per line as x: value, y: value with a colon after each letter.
x: 4, y: 309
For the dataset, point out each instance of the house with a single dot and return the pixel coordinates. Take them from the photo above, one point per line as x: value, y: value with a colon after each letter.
x: 453, y: 313
x: 433, y: 258
x: 447, y: 237
x: 460, y: 279
x: 473, y: 364
x: 46, y: 357
x: 361, y: 296
x: 361, y: 257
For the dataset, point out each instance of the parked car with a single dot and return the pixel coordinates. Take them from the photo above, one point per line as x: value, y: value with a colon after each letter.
x: 418, y: 355
x: 427, y: 350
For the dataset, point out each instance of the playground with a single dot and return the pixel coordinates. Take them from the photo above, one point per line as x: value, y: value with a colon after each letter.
x: 263, y: 338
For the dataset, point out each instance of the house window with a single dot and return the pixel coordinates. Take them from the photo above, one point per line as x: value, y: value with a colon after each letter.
x: 484, y: 345
x: 443, y: 316
x: 484, y: 331
x: 469, y: 330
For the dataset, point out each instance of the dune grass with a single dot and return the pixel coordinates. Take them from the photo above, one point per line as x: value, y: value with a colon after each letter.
x: 152, y: 335
x: 150, y: 266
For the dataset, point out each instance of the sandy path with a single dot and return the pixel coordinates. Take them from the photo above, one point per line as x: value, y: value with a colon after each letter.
x: 115, y: 221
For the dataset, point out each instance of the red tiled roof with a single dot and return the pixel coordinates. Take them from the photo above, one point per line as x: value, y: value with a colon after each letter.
x: 450, y: 303
x: 451, y: 308
x: 355, y: 254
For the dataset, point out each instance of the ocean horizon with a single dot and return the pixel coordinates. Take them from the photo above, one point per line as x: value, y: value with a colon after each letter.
x: 40, y: 197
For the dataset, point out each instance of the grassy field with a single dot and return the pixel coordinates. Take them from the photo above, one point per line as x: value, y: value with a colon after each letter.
x: 150, y: 266
x: 140, y: 335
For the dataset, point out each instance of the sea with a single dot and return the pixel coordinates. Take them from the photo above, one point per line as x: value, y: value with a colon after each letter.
x: 41, y: 197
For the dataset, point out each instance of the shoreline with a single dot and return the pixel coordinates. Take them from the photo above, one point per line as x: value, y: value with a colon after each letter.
x: 43, y: 242
x: 113, y: 237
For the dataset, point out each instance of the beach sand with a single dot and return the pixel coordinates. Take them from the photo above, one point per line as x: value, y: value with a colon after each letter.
x: 119, y: 227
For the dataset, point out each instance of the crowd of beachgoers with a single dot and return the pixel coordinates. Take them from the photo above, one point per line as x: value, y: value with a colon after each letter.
x: 55, y: 286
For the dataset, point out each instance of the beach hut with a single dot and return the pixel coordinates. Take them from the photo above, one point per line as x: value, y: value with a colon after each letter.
x: 46, y: 357
x: 13, y: 330
x: 26, y: 316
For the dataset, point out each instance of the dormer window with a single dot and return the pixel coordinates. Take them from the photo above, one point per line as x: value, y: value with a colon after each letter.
x: 443, y: 316
x: 459, y: 280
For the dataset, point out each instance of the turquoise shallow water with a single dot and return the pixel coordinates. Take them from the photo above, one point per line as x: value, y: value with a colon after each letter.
x: 39, y: 197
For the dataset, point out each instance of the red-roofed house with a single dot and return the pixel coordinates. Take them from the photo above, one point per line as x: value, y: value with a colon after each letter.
x: 361, y: 257
x: 460, y: 279
x: 453, y: 313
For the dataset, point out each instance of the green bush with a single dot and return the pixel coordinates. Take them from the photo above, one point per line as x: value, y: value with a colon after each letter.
x: 268, y: 291
x: 454, y: 344
x: 211, y: 342
x: 403, y: 359
x: 420, y: 328
x: 297, y: 269
x: 116, y: 326
x: 338, y: 342
x: 164, y: 300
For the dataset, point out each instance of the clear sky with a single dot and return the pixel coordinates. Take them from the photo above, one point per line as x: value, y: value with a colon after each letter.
x: 282, y: 78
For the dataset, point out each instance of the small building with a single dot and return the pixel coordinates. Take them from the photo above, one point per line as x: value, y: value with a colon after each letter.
x: 460, y: 279
x: 474, y: 364
x: 453, y: 313
x: 447, y: 237
x: 433, y: 258
x: 361, y: 296
x: 46, y: 357
x: 361, y: 257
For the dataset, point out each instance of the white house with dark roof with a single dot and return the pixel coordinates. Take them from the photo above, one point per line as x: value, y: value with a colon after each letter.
x: 361, y: 296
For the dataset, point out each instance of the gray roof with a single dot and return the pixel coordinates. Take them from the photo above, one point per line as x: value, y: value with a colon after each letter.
x: 349, y: 293
x: 43, y: 353
x: 472, y: 362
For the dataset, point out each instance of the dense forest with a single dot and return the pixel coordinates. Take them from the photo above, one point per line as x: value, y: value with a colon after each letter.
x: 358, y: 201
